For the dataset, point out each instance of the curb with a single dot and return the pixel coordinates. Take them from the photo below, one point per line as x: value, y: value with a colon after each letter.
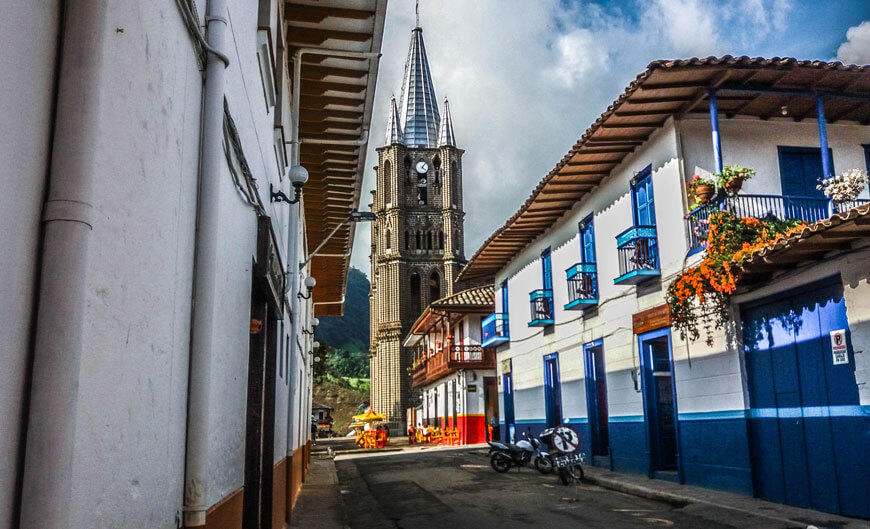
x: 678, y: 500
x: 636, y: 490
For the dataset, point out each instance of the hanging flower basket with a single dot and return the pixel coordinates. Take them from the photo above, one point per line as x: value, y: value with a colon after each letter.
x: 844, y: 188
x: 701, y: 188
x: 732, y: 176
x: 704, y: 193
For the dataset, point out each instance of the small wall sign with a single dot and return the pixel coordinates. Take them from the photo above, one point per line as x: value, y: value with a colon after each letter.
x: 651, y: 319
x: 472, y: 389
x: 838, y: 347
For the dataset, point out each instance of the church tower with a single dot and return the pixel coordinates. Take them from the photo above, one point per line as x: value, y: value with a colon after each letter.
x: 417, y: 240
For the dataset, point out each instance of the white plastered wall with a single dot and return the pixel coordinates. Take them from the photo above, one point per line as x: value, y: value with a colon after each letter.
x: 611, y: 205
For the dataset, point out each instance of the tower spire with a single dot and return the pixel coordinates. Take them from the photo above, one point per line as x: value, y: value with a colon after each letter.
x: 419, y: 106
x: 394, y: 126
x: 445, y: 135
x: 417, y: 12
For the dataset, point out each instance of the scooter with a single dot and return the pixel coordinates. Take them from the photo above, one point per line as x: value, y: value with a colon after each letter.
x: 528, y: 450
x: 564, y: 444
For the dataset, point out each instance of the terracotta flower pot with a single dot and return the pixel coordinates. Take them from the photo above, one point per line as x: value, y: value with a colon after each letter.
x: 703, y: 193
x: 733, y: 186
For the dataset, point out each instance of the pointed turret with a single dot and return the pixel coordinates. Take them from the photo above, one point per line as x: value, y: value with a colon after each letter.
x: 445, y: 135
x: 419, y: 108
x: 394, y: 126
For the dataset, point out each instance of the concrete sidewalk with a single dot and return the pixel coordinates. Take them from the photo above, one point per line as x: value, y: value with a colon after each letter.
x: 319, y: 505
x: 680, y: 495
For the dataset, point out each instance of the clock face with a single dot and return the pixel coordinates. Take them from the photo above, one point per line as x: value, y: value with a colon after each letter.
x: 422, y: 167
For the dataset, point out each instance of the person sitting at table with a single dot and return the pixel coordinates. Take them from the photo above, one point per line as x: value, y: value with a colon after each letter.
x: 425, y: 433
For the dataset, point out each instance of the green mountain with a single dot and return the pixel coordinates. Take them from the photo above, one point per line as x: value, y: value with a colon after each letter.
x: 350, y: 332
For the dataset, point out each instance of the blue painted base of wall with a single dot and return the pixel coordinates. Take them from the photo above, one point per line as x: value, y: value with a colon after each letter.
x: 628, y: 445
x: 715, y: 454
x: 714, y: 450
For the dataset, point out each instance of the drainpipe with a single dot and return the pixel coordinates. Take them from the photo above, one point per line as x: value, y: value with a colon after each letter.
x: 205, y: 274
x: 68, y: 218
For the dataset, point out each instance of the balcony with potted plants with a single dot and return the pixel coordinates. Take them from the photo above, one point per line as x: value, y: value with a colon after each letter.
x: 841, y: 194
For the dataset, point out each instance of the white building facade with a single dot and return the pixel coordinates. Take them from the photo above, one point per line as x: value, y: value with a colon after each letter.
x: 453, y: 373
x: 581, y: 325
x: 157, y: 367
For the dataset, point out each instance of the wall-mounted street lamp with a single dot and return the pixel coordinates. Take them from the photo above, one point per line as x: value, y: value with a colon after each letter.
x: 310, y: 283
x: 298, y: 176
x: 314, y: 323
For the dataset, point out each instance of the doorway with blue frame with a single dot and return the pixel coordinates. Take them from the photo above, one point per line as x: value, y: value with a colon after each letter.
x: 552, y: 390
x: 507, y: 386
x: 596, y: 401
x: 800, y: 169
x: 659, y: 403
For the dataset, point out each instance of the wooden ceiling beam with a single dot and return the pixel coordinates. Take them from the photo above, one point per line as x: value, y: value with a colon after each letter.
x: 583, y: 163
x: 641, y: 125
x: 316, y: 14
x: 633, y: 113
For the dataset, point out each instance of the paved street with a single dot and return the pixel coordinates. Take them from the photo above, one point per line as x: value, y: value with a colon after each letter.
x: 456, y: 489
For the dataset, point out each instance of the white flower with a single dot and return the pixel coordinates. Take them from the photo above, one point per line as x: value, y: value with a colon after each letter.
x: 844, y: 187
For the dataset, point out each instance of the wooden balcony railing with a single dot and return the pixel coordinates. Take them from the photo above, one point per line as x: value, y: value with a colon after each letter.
x: 452, y: 358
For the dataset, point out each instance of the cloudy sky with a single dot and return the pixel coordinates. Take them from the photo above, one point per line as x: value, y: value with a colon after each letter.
x: 525, y: 78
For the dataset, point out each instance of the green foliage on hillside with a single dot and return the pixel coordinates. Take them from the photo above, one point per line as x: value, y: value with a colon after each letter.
x: 349, y: 334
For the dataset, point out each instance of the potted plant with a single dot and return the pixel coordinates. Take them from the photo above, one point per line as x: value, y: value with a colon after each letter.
x: 701, y: 188
x: 845, y: 187
x: 732, y: 176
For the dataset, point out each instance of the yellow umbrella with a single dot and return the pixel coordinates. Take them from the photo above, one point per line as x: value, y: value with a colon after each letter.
x: 369, y: 416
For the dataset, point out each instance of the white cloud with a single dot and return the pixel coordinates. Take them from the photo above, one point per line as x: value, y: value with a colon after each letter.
x: 525, y: 79
x: 856, y: 48
x: 579, y: 56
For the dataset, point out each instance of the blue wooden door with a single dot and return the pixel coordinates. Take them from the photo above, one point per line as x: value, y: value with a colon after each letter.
x: 552, y: 390
x: 644, y: 207
x: 596, y: 398
x: 809, y: 436
x: 587, y: 242
x: 659, y: 393
x: 547, y: 269
x: 800, y: 169
x: 507, y: 382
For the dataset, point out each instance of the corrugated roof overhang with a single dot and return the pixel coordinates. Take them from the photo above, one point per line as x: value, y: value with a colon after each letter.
x: 744, y: 86
x: 336, y: 99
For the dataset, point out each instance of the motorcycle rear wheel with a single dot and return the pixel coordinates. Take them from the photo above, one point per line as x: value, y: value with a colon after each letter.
x: 544, y: 464
x: 571, y: 473
x: 500, y: 462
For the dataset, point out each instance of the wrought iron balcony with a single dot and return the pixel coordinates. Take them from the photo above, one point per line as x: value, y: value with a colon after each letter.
x: 807, y: 209
x: 541, y: 302
x: 582, y: 286
x: 494, y: 329
x: 637, y: 250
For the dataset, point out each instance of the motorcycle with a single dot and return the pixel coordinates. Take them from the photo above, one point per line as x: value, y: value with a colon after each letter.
x: 528, y: 450
x: 564, y: 443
